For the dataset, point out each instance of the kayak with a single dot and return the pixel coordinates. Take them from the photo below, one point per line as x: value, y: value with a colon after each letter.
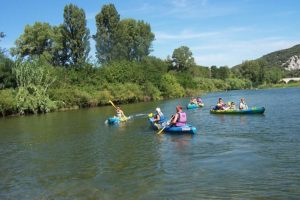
x: 116, y: 120
x: 254, y: 110
x: 173, y: 129
x: 192, y: 105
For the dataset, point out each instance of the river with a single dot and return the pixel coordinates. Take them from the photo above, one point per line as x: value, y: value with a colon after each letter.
x: 74, y: 155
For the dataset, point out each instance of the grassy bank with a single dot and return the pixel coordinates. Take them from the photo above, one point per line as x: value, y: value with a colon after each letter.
x: 42, y: 88
x: 280, y: 85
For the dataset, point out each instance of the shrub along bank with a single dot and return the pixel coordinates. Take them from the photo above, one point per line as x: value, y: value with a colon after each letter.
x: 42, y: 88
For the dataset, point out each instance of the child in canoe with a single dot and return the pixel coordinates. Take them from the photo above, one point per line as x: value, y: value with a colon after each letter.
x: 243, y: 105
x: 221, y: 105
x: 159, y: 116
x: 120, y: 114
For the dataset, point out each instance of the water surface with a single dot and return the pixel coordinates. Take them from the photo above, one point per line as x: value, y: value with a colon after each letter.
x: 74, y: 155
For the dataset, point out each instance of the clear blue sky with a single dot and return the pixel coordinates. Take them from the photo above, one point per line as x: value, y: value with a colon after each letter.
x: 219, y: 32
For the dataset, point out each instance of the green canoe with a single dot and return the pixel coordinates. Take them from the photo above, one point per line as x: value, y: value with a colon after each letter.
x: 254, y: 110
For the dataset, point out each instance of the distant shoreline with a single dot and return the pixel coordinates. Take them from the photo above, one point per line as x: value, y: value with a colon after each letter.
x: 267, y: 86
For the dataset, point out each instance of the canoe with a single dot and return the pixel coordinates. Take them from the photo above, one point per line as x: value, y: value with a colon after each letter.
x: 254, y: 110
x: 192, y: 105
x: 174, y: 129
x: 116, y: 120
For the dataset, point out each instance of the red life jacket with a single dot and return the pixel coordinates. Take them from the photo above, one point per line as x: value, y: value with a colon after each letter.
x: 181, y: 120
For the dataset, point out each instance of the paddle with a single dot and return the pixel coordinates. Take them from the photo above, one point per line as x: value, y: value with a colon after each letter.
x: 161, y: 130
x: 116, y: 108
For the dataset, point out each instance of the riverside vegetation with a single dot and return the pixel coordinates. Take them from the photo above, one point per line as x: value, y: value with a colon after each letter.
x: 51, y: 69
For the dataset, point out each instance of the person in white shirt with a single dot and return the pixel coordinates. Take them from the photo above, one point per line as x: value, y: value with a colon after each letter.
x: 243, y: 105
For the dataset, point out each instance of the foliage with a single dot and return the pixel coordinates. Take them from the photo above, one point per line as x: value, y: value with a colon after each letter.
x: 182, y: 58
x: 2, y: 35
x: 170, y: 87
x: 33, y: 79
x: 107, y: 23
x: 134, y: 40
x: 7, y: 79
x: 220, y: 73
x: 236, y: 84
x: 36, y: 40
x: 76, y: 35
x: 151, y: 92
x: 8, y: 104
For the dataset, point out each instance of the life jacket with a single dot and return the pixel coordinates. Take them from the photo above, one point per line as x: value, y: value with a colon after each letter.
x: 181, y: 120
x: 161, y: 118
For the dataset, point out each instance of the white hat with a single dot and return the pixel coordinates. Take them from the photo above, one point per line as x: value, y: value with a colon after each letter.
x: 158, y: 110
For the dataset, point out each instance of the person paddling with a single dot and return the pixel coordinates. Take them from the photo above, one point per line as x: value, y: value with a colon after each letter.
x: 221, y: 105
x: 243, y: 105
x: 120, y: 113
x: 180, y: 118
x: 159, y: 116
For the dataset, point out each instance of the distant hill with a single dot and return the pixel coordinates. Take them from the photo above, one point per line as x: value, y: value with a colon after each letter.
x: 287, y: 58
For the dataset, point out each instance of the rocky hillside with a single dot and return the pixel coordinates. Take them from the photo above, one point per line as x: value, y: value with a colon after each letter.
x: 287, y: 58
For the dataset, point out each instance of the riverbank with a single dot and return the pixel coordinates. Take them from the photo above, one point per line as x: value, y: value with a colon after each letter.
x: 75, y: 99
x: 279, y: 85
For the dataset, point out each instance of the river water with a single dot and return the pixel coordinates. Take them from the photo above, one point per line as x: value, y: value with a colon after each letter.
x: 74, y: 155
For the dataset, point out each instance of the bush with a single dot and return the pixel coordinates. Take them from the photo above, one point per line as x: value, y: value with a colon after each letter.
x: 126, y: 93
x: 170, y: 87
x: 33, y: 99
x: 152, y: 92
x: 8, y: 104
x: 236, y: 84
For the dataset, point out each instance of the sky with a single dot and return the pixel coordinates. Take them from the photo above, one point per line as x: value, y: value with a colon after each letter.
x: 218, y: 32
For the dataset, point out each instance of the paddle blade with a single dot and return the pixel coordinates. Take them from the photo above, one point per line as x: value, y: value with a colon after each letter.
x: 162, y: 130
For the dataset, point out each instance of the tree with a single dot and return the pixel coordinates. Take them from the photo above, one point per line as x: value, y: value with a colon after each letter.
x: 35, y: 41
x: 107, y: 23
x: 134, y: 40
x: 75, y: 35
x: 224, y: 72
x: 183, y: 58
x: 7, y: 79
x: 2, y: 35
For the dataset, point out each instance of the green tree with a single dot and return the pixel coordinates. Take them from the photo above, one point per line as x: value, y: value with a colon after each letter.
x: 75, y: 35
x: 134, y: 40
x: 2, y: 35
x: 224, y: 72
x: 35, y: 41
x: 7, y: 79
x: 214, y: 72
x: 251, y: 70
x: 107, y: 24
x: 182, y: 58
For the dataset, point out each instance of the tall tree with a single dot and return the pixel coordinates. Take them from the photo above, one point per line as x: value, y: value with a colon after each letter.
x: 107, y: 23
x: 2, y: 35
x: 76, y: 35
x: 183, y: 58
x: 35, y: 41
x: 134, y: 40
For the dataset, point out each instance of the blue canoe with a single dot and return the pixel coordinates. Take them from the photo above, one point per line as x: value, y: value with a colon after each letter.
x: 115, y: 120
x: 192, y: 105
x: 254, y: 110
x: 174, y: 129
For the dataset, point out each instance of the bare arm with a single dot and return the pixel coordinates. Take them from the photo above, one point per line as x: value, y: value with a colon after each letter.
x: 174, y: 119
